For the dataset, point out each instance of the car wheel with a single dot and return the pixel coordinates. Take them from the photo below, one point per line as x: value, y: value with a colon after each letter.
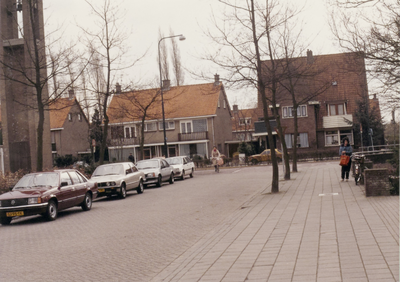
x: 183, y: 175
x: 254, y: 161
x: 87, y: 202
x: 140, y: 188
x: 51, y: 213
x: 5, y: 220
x: 122, y: 194
x: 159, y: 180
x: 191, y: 174
x: 171, y: 179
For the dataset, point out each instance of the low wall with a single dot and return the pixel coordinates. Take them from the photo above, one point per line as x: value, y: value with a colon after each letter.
x: 376, y: 182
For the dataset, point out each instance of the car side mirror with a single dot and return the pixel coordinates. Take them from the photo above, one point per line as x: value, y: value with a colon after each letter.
x: 64, y: 184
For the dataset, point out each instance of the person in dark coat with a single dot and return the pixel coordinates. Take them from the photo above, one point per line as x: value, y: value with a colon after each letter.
x: 131, y: 158
x: 346, y: 149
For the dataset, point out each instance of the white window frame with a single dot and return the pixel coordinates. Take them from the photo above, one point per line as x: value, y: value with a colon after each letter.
x: 186, y: 122
x: 146, y: 127
x: 338, y: 135
x: 69, y: 117
x: 131, y: 134
x: 224, y: 104
x: 287, y: 111
x: 245, y: 121
x: 80, y: 117
x: 170, y: 125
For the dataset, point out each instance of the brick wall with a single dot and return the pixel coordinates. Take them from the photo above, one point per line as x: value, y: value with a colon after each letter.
x: 376, y: 182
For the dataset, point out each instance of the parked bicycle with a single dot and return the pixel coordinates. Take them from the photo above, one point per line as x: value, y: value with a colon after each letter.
x: 358, y: 161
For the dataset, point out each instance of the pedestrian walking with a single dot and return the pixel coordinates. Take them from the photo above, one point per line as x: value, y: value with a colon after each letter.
x: 131, y: 158
x: 215, y: 155
x: 346, y: 149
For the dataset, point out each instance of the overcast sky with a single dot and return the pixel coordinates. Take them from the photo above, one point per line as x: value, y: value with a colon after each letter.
x: 187, y: 17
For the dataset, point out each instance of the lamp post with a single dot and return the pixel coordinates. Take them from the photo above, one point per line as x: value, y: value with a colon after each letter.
x: 181, y: 38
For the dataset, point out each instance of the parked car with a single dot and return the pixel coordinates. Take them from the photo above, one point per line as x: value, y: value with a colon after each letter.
x: 156, y: 170
x: 265, y: 156
x: 47, y: 193
x: 117, y: 179
x: 182, y: 166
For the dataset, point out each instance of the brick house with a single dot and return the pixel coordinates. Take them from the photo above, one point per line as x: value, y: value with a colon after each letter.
x: 328, y: 117
x: 197, y: 117
x: 69, y: 128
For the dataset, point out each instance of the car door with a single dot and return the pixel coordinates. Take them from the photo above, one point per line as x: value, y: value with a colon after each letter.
x: 165, y: 170
x: 135, y: 176
x: 129, y: 177
x: 186, y: 166
x: 66, y: 196
x: 79, y: 188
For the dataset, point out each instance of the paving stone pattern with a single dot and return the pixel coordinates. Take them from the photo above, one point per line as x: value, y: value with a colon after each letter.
x: 315, y: 229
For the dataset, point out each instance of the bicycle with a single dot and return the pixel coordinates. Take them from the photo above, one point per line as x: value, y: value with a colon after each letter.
x: 358, y: 161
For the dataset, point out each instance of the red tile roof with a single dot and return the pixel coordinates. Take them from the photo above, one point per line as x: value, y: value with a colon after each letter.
x: 179, y: 102
x: 59, y: 111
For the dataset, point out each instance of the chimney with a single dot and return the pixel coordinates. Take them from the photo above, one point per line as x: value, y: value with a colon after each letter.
x: 310, y: 58
x: 166, y: 84
x: 117, y: 88
x: 71, y: 94
x: 235, y: 109
x: 216, y: 79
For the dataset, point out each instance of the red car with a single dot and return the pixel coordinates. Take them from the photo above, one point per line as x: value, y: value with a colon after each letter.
x: 47, y: 193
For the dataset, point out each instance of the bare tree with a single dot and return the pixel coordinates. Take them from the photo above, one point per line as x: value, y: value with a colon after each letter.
x: 108, y: 42
x: 163, y: 57
x: 176, y: 61
x: 33, y: 70
x: 371, y: 27
x: 247, y: 36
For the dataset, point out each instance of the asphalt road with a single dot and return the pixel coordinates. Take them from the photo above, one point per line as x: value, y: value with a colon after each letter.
x: 126, y: 240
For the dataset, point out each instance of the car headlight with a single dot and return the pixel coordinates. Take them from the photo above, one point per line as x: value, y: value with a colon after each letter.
x: 111, y: 183
x: 34, y: 201
x: 151, y: 174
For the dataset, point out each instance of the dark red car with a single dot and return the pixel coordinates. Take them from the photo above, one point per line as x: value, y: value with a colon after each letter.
x: 47, y: 193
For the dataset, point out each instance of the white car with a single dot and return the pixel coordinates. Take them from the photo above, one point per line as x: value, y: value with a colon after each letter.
x: 117, y: 178
x: 156, y: 171
x: 182, y: 165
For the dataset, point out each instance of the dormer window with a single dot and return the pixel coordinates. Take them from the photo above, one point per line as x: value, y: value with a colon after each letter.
x: 244, y: 121
x: 69, y: 117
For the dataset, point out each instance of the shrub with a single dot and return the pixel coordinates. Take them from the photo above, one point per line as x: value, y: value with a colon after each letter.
x: 8, y: 180
x: 64, y: 161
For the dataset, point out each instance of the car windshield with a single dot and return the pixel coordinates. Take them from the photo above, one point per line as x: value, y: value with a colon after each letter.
x: 147, y: 164
x: 174, y: 161
x: 114, y: 169
x: 38, y: 180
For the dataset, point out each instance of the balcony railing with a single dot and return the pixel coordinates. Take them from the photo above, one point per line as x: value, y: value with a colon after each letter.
x: 123, y: 141
x: 193, y: 136
x: 337, y: 121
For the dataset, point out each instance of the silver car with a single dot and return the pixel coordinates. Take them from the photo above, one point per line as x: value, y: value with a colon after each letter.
x: 182, y: 165
x: 116, y: 179
x: 156, y: 171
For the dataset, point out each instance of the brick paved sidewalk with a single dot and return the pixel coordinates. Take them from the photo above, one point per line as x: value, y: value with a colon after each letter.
x: 316, y: 229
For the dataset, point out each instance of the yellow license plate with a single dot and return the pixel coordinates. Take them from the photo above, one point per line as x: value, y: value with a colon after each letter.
x: 101, y: 190
x: 18, y: 213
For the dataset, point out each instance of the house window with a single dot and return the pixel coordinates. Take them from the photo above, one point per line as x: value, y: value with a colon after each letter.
x: 130, y: 132
x: 219, y: 103
x: 288, y: 111
x: 224, y: 104
x: 169, y: 125
x: 336, y: 109
x: 334, y: 137
x: 79, y: 117
x: 151, y: 126
x: 186, y: 127
x: 197, y: 125
x: 244, y: 121
x: 302, y: 140
x: 70, y: 117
